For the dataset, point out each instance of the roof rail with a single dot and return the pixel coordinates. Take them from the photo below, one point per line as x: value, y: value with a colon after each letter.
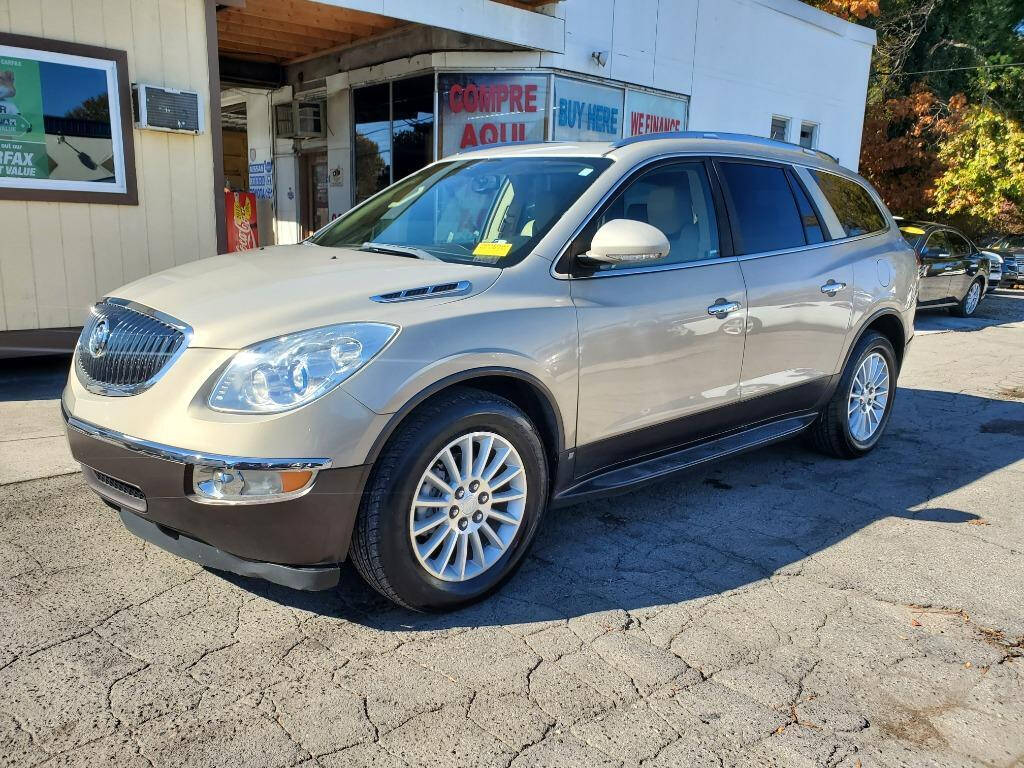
x: 743, y: 137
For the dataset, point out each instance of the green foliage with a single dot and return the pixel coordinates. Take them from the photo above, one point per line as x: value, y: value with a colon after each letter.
x: 984, y: 176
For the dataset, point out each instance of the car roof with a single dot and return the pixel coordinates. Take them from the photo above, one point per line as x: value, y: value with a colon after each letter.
x: 691, y: 142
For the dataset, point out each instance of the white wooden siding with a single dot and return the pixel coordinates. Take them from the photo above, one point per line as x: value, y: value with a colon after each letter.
x: 56, y: 259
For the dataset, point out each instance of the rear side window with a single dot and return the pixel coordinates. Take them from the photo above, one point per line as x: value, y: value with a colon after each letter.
x: 764, y: 213
x: 857, y: 212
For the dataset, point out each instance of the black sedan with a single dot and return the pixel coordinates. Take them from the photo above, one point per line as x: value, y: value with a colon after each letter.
x: 954, y: 273
x: 1011, y: 250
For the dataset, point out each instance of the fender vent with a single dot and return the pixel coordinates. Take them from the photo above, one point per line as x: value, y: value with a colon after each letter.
x: 426, y: 292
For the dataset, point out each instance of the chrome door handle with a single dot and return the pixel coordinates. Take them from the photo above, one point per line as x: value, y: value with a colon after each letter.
x: 721, y: 308
x: 832, y: 287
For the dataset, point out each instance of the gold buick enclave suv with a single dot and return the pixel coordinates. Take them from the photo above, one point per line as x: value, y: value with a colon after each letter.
x: 503, y: 331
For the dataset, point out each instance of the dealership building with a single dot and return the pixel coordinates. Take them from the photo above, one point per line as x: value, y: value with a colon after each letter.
x: 128, y: 126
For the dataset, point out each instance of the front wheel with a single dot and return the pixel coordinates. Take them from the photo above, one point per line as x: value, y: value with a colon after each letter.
x: 970, y: 301
x: 855, y: 418
x: 453, y: 504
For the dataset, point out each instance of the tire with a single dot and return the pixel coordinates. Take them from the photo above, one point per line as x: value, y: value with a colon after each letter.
x: 383, y: 544
x: 832, y: 433
x: 969, y: 303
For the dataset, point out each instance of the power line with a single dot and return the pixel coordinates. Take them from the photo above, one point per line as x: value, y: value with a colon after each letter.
x: 956, y: 69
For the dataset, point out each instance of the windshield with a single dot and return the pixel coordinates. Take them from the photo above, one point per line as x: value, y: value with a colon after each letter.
x: 482, y: 211
x: 1013, y: 242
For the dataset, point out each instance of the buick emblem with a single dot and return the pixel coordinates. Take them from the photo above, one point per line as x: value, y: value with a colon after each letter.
x: 99, y: 338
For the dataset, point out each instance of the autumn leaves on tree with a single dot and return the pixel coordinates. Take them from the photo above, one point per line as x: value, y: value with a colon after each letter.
x: 942, y: 132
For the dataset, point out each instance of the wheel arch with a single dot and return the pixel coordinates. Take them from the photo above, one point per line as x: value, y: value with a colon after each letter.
x: 887, y: 322
x: 521, y: 388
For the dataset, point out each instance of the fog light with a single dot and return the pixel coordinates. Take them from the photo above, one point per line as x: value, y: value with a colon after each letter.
x: 248, y: 485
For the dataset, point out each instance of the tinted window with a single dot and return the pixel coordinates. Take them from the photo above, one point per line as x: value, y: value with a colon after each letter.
x: 857, y: 212
x: 812, y: 227
x: 412, y: 130
x: 960, y: 246
x: 938, y: 245
x: 372, y: 116
x: 762, y: 207
x: 677, y: 200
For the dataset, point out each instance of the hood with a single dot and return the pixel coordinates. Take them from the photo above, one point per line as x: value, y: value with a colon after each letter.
x: 237, y: 299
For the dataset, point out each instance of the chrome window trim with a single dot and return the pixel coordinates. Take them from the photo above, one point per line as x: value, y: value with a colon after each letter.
x: 107, y: 390
x: 722, y: 259
x: 657, y: 268
x: 184, y: 456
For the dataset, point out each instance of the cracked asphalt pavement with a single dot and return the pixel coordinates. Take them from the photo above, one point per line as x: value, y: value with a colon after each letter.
x: 776, y: 609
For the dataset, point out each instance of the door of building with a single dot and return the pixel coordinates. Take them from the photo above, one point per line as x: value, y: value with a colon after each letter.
x: 315, y: 208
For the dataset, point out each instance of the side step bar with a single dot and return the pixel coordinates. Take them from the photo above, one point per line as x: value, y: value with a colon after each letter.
x: 664, y: 465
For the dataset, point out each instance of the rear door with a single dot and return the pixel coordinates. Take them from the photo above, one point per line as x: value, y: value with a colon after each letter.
x: 938, y: 263
x: 660, y: 342
x: 965, y: 269
x: 799, y: 287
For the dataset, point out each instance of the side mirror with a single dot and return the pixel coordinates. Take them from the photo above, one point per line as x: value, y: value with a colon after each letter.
x: 624, y: 241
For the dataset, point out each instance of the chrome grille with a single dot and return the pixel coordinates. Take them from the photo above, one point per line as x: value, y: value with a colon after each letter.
x: 124, y: 347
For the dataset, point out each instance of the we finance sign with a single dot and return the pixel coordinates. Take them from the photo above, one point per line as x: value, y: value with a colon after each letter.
x: 482, y: 109
x: 650, y: 113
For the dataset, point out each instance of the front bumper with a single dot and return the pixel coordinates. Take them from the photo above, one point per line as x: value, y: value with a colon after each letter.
x: 298, y: 542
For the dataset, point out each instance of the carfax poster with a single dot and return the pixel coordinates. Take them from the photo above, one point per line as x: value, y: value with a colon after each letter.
x: 22, y: 130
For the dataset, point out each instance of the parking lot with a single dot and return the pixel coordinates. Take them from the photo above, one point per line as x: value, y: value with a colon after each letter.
x: 776, y: 609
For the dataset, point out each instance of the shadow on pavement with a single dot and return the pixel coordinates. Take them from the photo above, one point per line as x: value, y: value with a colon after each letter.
x: 33, y: 378
x: 1004, y: 306
x: 723, y: 527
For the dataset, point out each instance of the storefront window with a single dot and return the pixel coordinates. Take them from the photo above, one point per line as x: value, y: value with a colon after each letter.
x: 477, y: 110
x: 413, y: 129
x: 61, y: 125
x: 586, y: 111
x: 372, y: 118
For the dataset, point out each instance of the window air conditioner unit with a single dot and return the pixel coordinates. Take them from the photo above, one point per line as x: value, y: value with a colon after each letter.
x: 167, y: 109
x: 301, y: 120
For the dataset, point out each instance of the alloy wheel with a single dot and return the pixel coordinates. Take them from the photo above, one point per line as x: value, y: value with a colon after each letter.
x: 468, y: 507
x: 869, y: 394
x: 973, y: 297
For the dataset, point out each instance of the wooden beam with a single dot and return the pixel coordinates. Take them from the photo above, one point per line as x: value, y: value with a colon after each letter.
x: 258, y: 48
x: 251, y: 25
x: 319, y: 15
x: 274, y: 36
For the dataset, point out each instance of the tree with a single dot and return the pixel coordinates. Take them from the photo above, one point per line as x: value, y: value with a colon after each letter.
x: 849, y: 9
x: 984, y: 170
x: 95, y: 109
x: 900, y: 151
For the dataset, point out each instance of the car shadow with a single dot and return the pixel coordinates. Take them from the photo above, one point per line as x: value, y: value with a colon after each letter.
x: 33, y: 378
x: 723, y: 527
x: 1002, y: 307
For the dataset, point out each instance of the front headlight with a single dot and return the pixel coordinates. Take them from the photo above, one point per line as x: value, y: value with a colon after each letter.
x: 288, y: 371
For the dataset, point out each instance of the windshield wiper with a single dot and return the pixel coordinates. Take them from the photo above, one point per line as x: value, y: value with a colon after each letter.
x: 399, y: 250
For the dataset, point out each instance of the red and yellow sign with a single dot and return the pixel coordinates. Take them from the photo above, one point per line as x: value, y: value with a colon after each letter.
x: 243, y: 233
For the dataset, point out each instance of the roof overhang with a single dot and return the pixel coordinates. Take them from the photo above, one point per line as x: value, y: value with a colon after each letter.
x: 509, y: 21
x: 823, y: 19
x: 280, y: 32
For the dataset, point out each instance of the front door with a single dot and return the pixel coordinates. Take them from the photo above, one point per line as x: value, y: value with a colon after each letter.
x: 315, y: 207
x: 650, y: 351
x: 799, y: 288
x: 938, y: 262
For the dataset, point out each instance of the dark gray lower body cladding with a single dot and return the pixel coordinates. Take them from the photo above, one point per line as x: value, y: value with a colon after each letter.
x: 310, y: 578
